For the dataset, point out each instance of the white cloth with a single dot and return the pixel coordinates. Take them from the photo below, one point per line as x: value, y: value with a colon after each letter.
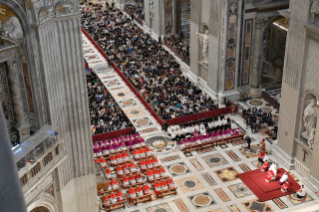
x: 266, y: 157
x: 233, y: 125
x: 272, y: 167
x: 283, y: 178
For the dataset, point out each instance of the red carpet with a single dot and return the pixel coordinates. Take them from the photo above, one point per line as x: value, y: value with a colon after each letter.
x: 255, y: 181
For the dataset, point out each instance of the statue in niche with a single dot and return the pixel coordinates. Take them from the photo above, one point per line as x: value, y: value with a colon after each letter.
x: 12, y: 28
x: 311, y: 138
x: 204, y: 43
x: 314, y: 9
x: 151, y: 9
x: 310, y: 118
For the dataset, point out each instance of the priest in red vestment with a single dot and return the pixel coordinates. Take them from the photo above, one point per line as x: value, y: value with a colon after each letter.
x: 265, y: 166
x: 285, y: 187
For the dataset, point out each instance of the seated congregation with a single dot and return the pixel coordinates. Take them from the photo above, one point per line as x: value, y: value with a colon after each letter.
x: 106, y: 115
x: 149, y: 67
x: 182, y: 47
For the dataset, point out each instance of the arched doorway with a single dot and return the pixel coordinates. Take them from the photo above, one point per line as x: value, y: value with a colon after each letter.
x: 273, y: 54
x: 40, y: 209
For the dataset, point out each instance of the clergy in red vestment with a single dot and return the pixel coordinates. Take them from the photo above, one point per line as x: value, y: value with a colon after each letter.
x: 285, y: 187
x: 264, y: 166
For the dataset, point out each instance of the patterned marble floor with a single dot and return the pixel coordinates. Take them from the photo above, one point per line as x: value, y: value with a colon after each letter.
x: 207, y: 181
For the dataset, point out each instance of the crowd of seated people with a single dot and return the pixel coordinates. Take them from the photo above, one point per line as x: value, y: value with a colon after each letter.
x: 205, y: 127
x: 135, y: 10
x: 182, y: 47
x: 121, y: 143
x: 106, y: 115
x: 149, y: 67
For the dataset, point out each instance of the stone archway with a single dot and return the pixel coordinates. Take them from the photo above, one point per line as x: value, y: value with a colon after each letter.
x: 44, y: 200
x: 40, y: 116
x: 272, y: 52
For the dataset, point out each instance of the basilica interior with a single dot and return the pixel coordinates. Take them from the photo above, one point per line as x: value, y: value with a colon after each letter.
x: 159, y: 105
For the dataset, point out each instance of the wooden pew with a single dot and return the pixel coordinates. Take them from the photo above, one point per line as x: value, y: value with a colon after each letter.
x: 167, y: 192
x: 112, y: 206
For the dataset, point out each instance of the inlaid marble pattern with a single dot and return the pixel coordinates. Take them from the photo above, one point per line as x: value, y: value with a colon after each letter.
x: 160, y: 144
x: 181, y: 205
x: 209, y: 179
x: 217, y: 210
x: 201, y: 200
x: 197, y: 164
x: 280, y: 203
x: 127, y: 103
x: 142, y: 122
x: 178, y: 169
x: 233, y: 208
x: 240, y: 190
x: 256, y: 206
x: 164, y: 207
x: 244, y: 167
x: 214, y: 160
x: 111, y: 83
x: 221, y: 193
x: 296, y: 201
x: 227, y: 174
x: 121, y: 94
x: 170, y: 158
x: 189, y: 184
x: 253, y: 152
x: 134, y: 112
x: 233, y: 156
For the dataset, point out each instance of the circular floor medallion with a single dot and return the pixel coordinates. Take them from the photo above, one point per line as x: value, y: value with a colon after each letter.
x: 158, y: 143
x: 142, y: 122
x: 128, y: 103
x: 241, y: 189
x: 190, y: 184
x: 160, y: 210
x: 256, y: 102
x: 202, y: 200
x: 214, y: 160
x: 121, y: 94
x: 135, y: 112
x: 112, y: 83
x: 92, y: 57
x: 178, y: 169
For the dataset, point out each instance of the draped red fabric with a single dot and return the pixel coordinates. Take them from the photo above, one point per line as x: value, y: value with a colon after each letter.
x: 173, y: 121
x: 114, y: 134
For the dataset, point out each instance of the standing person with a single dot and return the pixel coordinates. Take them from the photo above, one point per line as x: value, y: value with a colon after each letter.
x: 248, y: 121
x: 233, y: 109
x: 301, y: 193
x: 263, y: 145
x: 248, y: 139
x: 132, y: 16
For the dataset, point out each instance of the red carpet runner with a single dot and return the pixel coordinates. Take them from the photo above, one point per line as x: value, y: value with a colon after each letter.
x: 255, y: 181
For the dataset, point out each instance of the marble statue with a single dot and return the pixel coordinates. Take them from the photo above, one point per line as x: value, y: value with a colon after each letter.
x: 204, y: 43
x: 151, y: 9
x: 314, y: 9
x: 311, y: 138
x: 12, y: 28
x: 310, y: 117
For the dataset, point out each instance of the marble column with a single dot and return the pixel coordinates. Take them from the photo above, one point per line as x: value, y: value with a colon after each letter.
x: 12, y: 199
x: 16, y: 99
x: 254, y: 90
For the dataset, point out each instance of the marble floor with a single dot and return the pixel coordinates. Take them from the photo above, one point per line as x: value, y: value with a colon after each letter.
x: 207, y: 181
